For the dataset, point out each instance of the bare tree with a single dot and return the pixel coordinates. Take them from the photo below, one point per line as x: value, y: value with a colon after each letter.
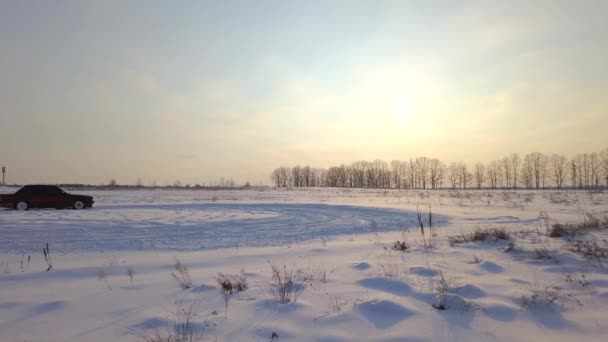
x: 604, y: 164
x: 582, y: 169
x: 318, y: 177
x: 453, y: 173
x: 423, y: 169
x: 558, y: 169
x: 281, y: 176
x: 515, y: 161
x: 480, y: 172
x: 296, y: 176
x: 573, y: 173
x: 594, y: 170
x: 492, y: 172
x: 463, y: 175
x: 535, y: 162
x: 527, y: 171
x: 396, y: 174
x: 358, y: 174
x: 306, y: 176
x: 500, y: 175
x: 276, y: 177
x: 541, y: 170
x: 285, y: 176
x: 506, y: 170
x: 436, y: 170
x: 333, y: 176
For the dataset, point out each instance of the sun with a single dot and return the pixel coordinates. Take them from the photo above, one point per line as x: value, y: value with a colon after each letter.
x: 402, y: 108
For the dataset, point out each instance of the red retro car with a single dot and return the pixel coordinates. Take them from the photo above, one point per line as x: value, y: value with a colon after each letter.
x: 44, y: 196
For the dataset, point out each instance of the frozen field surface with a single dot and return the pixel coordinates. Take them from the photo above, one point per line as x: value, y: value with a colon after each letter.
x: 190, y: 226
x: 355, y: 285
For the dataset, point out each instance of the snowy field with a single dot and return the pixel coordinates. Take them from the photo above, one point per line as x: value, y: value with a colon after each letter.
x: 356, y: 286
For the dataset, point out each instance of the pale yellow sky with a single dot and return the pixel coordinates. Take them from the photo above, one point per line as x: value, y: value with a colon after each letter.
x: 199, y: 90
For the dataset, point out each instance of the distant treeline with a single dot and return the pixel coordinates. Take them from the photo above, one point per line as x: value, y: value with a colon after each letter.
x: 132, y: 187
x: 148, y: 187
x: 532, y: 171
x: 221, y: 184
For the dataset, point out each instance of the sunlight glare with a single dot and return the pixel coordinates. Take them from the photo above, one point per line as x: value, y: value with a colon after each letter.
x: 403, y: 106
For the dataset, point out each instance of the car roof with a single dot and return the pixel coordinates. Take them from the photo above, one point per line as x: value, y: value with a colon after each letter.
x: 40, y: 185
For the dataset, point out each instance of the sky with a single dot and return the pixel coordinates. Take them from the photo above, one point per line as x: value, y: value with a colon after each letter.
x: 197, y: 90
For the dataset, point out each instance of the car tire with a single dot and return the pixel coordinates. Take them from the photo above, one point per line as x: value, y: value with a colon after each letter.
x: 22, y: 205
x: 78, y: 205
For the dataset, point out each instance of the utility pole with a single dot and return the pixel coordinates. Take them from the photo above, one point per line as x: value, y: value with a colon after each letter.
x: 3, y: 172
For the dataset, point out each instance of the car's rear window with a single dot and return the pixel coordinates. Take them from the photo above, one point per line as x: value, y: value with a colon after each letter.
x: 25, y: 190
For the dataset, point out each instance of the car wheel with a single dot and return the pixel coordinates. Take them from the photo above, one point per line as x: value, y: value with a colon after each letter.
x: 79, y: 205
x: 22, y: 205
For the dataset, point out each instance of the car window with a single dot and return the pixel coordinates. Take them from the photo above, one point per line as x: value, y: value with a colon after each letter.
x: 37, y: 190
x: 52, y: 190
x: 41, y: 190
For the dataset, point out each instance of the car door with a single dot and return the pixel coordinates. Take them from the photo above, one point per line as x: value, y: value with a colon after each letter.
x: 34, y: 196
x: 41, y: 196
x: 55, y: 197
x: 63, y: 199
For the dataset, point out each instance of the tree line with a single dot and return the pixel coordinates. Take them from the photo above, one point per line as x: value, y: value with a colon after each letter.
x: 532, y: 171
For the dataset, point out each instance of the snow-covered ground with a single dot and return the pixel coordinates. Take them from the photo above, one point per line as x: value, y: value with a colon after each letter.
x: 360, y: 288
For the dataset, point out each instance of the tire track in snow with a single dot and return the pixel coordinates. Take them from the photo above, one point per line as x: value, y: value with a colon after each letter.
x: 184, y: 227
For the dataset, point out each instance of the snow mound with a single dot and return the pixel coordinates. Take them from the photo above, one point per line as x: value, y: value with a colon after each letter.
x: 471, y: 291
x: 391, y: 286
x: 361, y: 266
x: 383, y: 314
x: 491, y: 267
x: 423, y: 271
x: 451, y: 301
